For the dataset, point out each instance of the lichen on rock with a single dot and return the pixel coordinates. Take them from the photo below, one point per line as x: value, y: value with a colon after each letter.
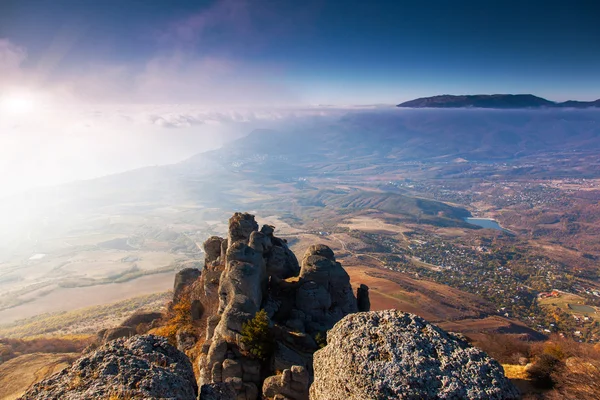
x: 145, y: 366
x: 395, y: 355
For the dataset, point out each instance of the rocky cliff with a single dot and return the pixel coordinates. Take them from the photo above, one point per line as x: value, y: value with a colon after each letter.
x: 251, y: 270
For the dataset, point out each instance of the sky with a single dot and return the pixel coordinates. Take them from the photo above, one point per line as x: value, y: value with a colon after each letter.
x: 302, y: 52
x: 92, y: 87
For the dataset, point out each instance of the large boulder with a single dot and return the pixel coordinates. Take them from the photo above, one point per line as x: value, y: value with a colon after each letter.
x: 212, y: 250
x: 107, y: 335
x: 290, y: 384
x: 139, y: 367
x: 395, y: 355
x: 362, y: 298
x: 325, y: 294
x: 241, y: 225
x: 183, y: 279
x: 217, y: 391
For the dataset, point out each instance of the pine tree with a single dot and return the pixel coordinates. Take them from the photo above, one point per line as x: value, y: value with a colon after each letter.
x: 256, y: 337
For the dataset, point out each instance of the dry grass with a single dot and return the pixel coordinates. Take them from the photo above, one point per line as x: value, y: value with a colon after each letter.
x: 86, y: 320
x: 178, y: 317
x: 513, y: 371
x: 18, y: 374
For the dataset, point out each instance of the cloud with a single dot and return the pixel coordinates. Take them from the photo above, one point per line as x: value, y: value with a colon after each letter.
x: 209, y: 57
x: 11, y: 58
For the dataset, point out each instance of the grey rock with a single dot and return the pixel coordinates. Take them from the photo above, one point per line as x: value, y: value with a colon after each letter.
x: 240, y: 251
x: 268, y: 230
x: 141, y: 318
x: 282, y: 263
x: 107, y: 335
x: 326, y: 296
x: 291, y: 384
x: 320, y: 250
x: 241, y: 225
x: 185, y: 339
x: 362, y: 298
x: 391, y: 354
x: 260, y: 242
x: 285, y: 357
x: 139, y: 367
x: 197, y: 309
x: 217, y: 391
x: 184, y: 278
x: 212, y: 249
x: 231, y: 369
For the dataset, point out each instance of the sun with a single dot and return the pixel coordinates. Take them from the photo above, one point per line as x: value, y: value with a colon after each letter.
x: 22, y: 103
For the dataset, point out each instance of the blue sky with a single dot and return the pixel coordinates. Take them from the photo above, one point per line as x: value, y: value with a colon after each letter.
x: 92, y: 87
x: 317, y: 52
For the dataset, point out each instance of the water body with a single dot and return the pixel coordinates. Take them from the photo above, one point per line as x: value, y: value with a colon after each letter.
x: 487, y: 223
x: 582, y: 308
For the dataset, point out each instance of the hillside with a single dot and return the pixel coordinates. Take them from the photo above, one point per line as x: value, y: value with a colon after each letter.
x: 499, y: 101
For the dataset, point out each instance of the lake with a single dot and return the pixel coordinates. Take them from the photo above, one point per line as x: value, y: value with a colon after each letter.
x: 486, y: 223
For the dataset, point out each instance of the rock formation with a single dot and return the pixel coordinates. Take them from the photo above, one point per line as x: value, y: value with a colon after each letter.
x: 395, y: 355
x: 183, y: 279
x: 252, y: 270
x: 290, y: 384
x: 362, y: 298
x: 139, y: 367
x: 369, y: 355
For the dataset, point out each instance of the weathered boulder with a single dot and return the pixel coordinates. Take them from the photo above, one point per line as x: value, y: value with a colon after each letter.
x: 139, y: 367
x: 142, y: 317
x: 217, y: 391
x: 184, y: 278
x: 395, y: 355
x: 241, y: 225
x: 185, y: 339
x: 212, y: 250
x: 282, y: 263
x: 319, y: 250
x: 326, y: 295
x: 291, y: 384
x: 106, y: 335
x: 362, y: 298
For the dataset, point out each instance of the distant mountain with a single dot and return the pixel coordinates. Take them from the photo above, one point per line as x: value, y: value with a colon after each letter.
x: 580, y: 104
x: 501, y: 101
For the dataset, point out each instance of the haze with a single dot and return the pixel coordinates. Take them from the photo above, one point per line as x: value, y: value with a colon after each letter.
x: 88, y: 89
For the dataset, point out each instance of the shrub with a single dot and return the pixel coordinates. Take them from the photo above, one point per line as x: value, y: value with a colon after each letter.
x: 321, y: 339
x: 542, y: 371
x: 506, y: 349
x: 579, y: 379
x: 178, y: 317
x: 256, y: 336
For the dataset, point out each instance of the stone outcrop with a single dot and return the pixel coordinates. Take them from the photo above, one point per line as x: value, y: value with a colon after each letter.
x: 217, y: 391
x: 396, y: 355
x: 107, y: 335
x: 290, y: 384
x: 252, y: 270
x: 241, y: 225
x: 139, y: 367
x: 184, y: 278
x: 212, y: 250
x: 362, y: 298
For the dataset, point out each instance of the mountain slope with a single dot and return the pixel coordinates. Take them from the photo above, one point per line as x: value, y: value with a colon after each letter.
x: 499, y: 101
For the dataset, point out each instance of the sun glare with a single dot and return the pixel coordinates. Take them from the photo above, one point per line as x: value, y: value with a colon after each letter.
x: 17, y: 103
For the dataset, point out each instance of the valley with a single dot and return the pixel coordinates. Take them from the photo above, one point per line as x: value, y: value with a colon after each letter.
x: 398, y: 221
